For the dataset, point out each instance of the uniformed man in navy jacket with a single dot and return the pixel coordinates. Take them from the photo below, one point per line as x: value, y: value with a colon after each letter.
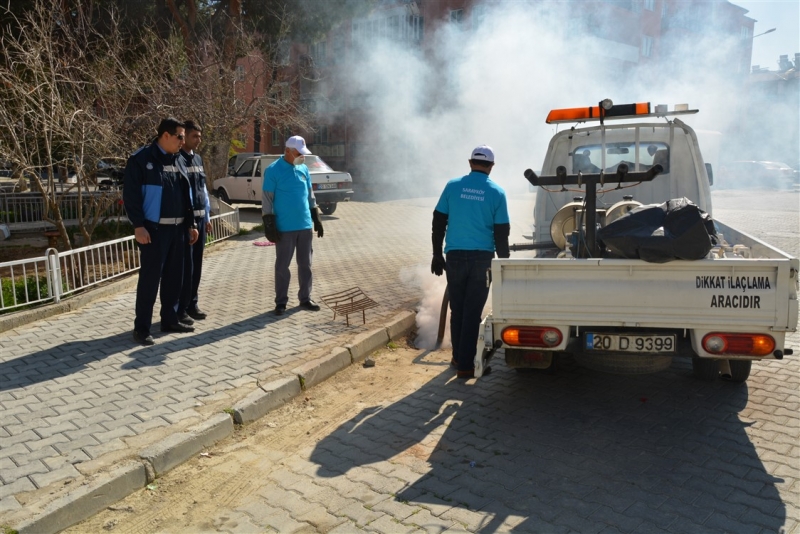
x: 201, y: 207
x: 158, y: 204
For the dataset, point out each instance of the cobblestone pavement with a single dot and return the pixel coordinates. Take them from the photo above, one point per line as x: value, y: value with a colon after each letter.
x: 404, y: 447
x: 77, y: 394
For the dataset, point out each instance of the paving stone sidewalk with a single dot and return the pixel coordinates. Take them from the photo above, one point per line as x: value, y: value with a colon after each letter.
x: 77, y: 395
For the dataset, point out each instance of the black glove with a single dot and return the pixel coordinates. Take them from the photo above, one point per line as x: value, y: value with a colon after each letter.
x: 317, y: 223
x: 438, y: 265
x: 501, y: 232
x: 271, y: 228
x: 437, y: 238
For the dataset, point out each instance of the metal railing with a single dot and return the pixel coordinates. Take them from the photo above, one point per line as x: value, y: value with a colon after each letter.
x: 27, y: 211
x: 59, y: 274
x: 24, y: 282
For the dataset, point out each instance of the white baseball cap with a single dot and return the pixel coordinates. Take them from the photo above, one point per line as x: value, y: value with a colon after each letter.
x: 483, y: 153
x: 298, y: 143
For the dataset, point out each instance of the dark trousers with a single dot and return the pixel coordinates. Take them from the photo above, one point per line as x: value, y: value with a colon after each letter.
x: 466, y: 284
x: 192, y: 269
x: 161, y: 261
x: 291, y: 242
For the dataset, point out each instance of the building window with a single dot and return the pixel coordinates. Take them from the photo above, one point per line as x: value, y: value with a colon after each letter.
x: 745, y: 33
x: 650, y: 5
x: 664, y: 8
x: 338, y: 49
x: 647, y: 45
x: 402, y: 28
x: 636, y: 6
x: 284, y: 52
x: 318, y: 52
x: 321, y: 135
x: 239, y: 73
x: 456, y: 15
x: 276, y: 137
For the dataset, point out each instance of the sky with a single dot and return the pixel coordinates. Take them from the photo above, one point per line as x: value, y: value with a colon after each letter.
x: 784, y: 15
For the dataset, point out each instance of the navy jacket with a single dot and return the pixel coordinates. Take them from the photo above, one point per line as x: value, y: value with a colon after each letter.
x: 156, y: 185
x: 197, y: 183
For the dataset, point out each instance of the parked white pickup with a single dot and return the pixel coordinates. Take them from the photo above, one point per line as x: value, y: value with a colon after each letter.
x: 244, y: 185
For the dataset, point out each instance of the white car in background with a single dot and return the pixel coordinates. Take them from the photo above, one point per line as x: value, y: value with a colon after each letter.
x: 243, y: 185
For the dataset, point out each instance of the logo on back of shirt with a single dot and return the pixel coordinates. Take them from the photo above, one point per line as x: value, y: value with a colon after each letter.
x: 468, y: 193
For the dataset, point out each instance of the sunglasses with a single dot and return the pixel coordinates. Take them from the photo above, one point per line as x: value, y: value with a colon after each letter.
x: 181, y: 136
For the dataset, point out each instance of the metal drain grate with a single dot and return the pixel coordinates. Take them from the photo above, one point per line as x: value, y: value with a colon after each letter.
x: 349, y: 301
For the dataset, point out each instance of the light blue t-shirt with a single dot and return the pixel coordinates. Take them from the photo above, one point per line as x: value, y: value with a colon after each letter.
x: 473, y: 205
x: 291, y: 187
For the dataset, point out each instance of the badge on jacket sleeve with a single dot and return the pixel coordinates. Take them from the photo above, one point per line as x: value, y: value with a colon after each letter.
x: 149, y: 166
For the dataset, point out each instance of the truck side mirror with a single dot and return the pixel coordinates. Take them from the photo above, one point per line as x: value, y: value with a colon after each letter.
x: 710, y: 173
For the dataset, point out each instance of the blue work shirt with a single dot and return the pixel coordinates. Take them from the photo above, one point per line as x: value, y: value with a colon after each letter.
x: 291, y: 189
x: 473, y: 205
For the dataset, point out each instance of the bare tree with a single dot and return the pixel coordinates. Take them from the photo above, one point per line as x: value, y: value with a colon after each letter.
x: 75, y: 92
x: 53, y: 117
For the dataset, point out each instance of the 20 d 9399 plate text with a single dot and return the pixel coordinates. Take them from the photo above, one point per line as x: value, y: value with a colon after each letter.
x: 630, y: 342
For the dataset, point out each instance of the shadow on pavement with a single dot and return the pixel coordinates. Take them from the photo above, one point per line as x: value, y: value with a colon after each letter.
x: 156, y: 354
x: 62, y: 360
x: 578, y: 450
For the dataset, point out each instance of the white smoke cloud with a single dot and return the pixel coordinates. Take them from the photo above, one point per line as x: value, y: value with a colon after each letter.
x: 494, y: 85
x: 429, y: 312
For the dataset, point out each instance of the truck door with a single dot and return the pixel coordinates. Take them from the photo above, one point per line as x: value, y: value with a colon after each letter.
x: 254, y: 182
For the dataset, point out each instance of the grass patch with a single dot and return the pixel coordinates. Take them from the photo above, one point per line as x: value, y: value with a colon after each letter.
x: 34, y: 287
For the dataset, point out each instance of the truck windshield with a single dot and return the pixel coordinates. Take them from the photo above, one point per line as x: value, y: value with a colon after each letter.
x: 588, y: 158
x: 315, y: 163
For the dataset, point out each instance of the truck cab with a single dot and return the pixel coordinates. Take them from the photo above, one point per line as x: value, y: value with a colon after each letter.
x: 673, y: 145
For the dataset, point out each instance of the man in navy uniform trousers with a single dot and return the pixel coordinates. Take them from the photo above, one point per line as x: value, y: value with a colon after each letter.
x: 473, y: 214
x: 201, y: 206
x: 158, y: 204
x: 289, y: 212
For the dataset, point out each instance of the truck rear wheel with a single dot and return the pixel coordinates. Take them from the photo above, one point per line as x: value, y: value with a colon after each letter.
x: 706, y: 369
x: 740, y: 370
x: 328, y: 209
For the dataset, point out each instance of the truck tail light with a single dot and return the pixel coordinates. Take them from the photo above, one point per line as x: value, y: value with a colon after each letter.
x: 532, y: 336
x: 750, y: 344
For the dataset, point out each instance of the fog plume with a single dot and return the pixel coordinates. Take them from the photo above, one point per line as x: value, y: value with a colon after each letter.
x: 495, y: 84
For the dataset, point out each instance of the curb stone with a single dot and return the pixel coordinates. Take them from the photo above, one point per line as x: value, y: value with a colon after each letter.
x: 125, y: 479
x: 87, y: 500
x: 178, y: 448
x: 400, y: 324
x: 365, y: 344
x: 320, y: 369
x: 265, y: 399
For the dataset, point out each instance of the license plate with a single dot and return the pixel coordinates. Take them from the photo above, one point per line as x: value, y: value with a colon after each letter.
x: 326, y: 186
x: 629, y: 343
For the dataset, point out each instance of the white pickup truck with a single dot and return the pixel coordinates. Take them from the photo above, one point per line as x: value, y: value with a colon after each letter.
x: 723, y: 311
x: 243, y: 185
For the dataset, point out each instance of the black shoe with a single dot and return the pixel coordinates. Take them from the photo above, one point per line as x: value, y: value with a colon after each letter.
x: 185, y: 319
x: 280, y: 309
x: 177, y: 327
x: 310, y: 305
x: 196, y: 313
x: 143, y: 338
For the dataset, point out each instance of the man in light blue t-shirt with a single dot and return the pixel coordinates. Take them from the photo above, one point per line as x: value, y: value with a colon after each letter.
x: 473, y: 215
x: 289, y: 212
